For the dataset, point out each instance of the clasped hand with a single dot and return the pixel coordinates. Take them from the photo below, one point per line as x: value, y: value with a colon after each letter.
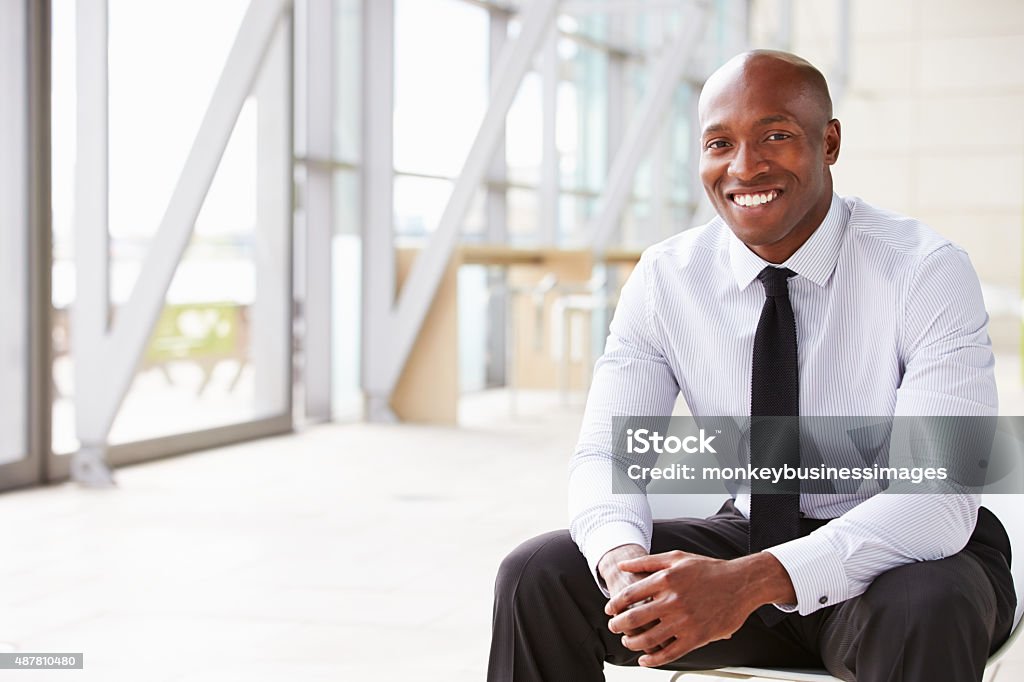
x: 686, y: 601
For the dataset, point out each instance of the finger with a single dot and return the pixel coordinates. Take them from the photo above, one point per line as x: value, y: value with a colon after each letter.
x: 638, y: 616
x: 643, y: 628
x: 674, y: 649
x: 653, y: 639
x: 651, y: 562
x: 630, y: 596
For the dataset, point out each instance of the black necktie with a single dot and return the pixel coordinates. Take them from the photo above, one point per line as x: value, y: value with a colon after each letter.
x: 774, y: 412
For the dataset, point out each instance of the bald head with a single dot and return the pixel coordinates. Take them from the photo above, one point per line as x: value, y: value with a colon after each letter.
x: 768, y: 140
x: 778, y: 70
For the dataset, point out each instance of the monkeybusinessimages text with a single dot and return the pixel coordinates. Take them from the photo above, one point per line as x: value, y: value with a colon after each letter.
x: 644, y: 441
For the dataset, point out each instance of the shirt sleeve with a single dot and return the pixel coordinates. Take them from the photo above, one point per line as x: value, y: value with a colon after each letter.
x: 948, y: 371
x: 631, y: 378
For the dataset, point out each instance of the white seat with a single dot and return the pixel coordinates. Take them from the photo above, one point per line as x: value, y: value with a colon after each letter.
x: 1009, y: 509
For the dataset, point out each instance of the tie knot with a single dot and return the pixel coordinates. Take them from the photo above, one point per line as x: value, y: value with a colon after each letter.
x: 774, y: 281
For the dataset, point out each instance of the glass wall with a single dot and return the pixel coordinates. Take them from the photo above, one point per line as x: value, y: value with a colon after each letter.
x: 220, y: 351
x: 441, y: 94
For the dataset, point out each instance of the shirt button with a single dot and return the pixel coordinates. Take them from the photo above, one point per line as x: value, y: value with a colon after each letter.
x: 823, y: 600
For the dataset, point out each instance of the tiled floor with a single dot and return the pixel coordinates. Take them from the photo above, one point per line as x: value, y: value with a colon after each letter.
x: 348, y: 553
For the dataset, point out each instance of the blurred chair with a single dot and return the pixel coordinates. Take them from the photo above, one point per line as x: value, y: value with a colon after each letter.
x: 581, y: 301
x: 204, y: 334
x: 537, y: 295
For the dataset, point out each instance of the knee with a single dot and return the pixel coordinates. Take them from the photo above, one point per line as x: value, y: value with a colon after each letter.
x: 537, y: 563
x: 897, y: 622
x: 922, y: 603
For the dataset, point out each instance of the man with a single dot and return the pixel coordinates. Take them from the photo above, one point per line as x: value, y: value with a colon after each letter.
x: 791, y: 301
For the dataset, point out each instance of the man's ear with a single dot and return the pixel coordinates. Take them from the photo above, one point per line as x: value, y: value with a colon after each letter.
x: 833, y: 135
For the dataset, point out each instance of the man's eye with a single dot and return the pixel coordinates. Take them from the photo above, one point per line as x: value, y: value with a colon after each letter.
x: 778, y: 136
x: 716, y: 144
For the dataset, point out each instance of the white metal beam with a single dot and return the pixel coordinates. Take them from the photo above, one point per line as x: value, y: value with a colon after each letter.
x: 378, y: 290
x: 841, y: 73
x: 105, y: 362
x: 497, y: 200
x: 497, y: 223
x: 644, y: 126
x: 402, y: 326
x: 618, y: 33
x: 90, y: 314
x: 784, y: 37
x: 319, y: 210
x: 270, y: 340
x: 547, y: 189
x: 14, y: 230
x: 651, y: 230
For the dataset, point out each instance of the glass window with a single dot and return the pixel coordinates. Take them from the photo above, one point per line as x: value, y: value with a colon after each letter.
x: 220, y: 352
x: 523, y: 132
x: 346, y: 297
x: 441, y: 83
x: 348, y: 61
x: 419, y: 203
x: 582, y: 129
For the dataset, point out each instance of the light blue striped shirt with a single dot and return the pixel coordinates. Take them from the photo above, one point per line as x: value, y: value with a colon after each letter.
x: 890, y: 322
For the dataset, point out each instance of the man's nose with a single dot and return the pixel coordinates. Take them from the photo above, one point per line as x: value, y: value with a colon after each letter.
x: 747, y: 163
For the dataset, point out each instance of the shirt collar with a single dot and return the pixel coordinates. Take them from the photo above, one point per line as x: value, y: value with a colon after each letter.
x: 814, y: 260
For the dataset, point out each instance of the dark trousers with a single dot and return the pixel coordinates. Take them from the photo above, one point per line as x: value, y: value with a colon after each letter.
x: 921, y: 622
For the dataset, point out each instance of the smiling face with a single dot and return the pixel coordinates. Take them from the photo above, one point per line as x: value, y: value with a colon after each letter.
x: 767, y: 141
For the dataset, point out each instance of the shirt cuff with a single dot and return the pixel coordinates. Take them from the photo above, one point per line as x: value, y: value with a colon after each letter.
x: 607, y: 537
x: 816, y: 571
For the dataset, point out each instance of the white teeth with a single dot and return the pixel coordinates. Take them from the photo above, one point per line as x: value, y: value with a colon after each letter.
x: 755, y: 199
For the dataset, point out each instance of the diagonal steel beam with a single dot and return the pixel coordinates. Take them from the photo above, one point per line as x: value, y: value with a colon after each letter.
x: 106, y: 360
x: 403, y: 323
x: 644, y: 126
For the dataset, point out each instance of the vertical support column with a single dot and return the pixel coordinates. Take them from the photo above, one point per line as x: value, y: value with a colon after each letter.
x: 378, y: 210
x: 40, y: 241
x: 92, y: 240
x: 549, y: 180
x: 841, y: 75
x: 620, y: 32
x: 784, y: 38
x: 744, y: 13
x: 616, y: 116
x: 14, y: 229
x: 654, y: 228
x: 700, y: 207
x: 497, y: 227
x: 270, y: 337
x: 319, y: 210
x: 91, y: 310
